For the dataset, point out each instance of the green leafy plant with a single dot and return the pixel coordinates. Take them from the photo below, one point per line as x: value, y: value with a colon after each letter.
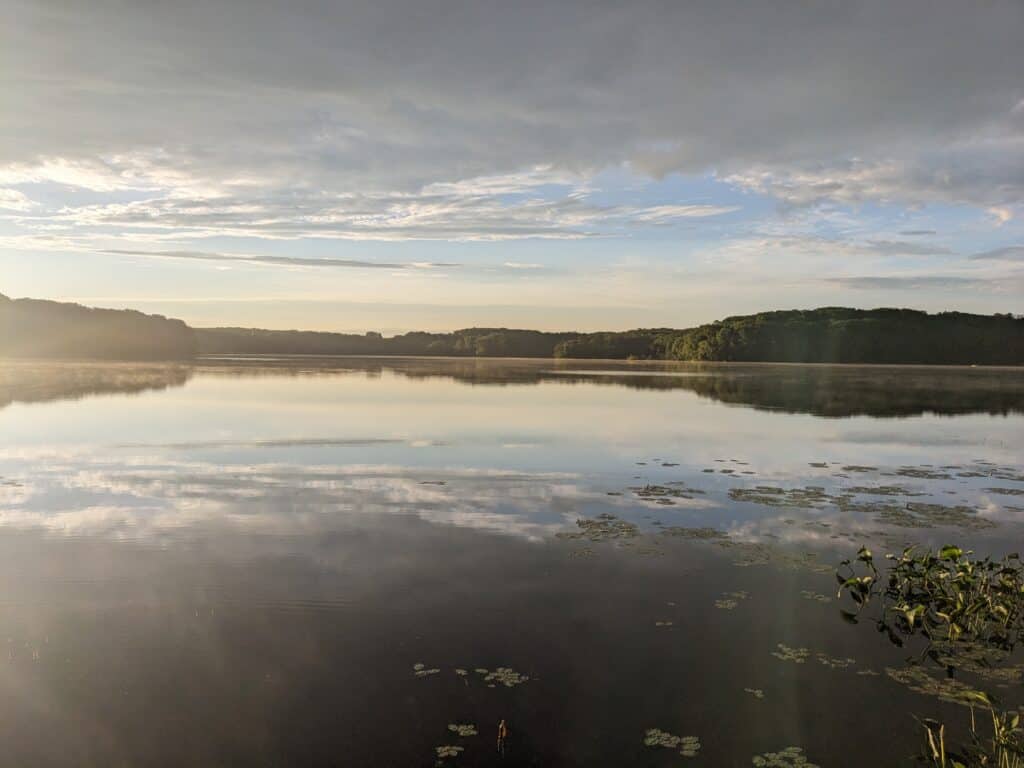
x: 944, y: 596
x: 966, y: 610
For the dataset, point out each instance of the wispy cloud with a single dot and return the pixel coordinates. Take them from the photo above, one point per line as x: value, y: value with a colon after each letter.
x: 1009, y: 253
x: 278, y: 261
x: 13, y: 200
x: 662, y: 214
x: 903, y: 283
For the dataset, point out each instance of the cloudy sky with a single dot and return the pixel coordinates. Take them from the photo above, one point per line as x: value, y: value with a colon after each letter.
x: 434, y: 164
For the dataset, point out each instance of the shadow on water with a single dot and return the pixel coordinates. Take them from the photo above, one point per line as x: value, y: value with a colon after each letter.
x: 832, y: 391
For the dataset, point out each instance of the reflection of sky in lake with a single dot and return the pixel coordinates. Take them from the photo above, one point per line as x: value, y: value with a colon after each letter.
x: 268, y: 554
x: 521, y: 459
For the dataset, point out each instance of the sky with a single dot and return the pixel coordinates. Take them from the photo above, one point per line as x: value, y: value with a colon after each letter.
x: 430, y: 164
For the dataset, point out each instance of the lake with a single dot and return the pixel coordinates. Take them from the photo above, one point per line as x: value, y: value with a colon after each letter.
x: 373, y: 562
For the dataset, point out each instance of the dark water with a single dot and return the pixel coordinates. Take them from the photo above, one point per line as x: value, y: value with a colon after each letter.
x: 243, y: 562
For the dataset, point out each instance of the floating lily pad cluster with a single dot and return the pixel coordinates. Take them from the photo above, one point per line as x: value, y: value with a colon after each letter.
x: 757, y: 553
x: 796, y: 655
x: 1006, y: 491
x: 771, y: 496
x: 697, y: 534
x: 921, y: 515
x: 505, y: 676
x: 834, y: 663
x: 665, y: 494
x: 988, y: 663
x: 604, y: 527
x: 582, y: 552
x: 448, y: 750
x: 421, y: 670
x: 923, y: 473
x: 730, y: 600
x: 463, y: 730
x: 757, y: 693
x: 987, y: 469
x: 948, y: 689
x: 790, y: 757
x: 883, y: 490
x: 688, y: 746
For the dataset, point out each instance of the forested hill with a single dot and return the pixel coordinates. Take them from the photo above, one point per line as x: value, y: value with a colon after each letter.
x: 471, y: 342
x: 840, y: 335
x: 30, y: 328
x: 33, y: 328
x: 827, y: 335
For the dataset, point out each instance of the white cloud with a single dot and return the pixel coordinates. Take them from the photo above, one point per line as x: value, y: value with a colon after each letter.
x: 390, y: 120
x: 661, y: 214
x: 1001, y: 214
x: 13, y: 200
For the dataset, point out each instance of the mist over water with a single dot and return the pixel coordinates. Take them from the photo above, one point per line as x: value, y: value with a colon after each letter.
x: 263, y: 561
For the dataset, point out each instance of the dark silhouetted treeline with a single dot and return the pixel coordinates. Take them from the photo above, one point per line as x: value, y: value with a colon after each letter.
x: 32, y: 328
x: 828, y: 335
x: 840, y: 335
x: 470, y: 342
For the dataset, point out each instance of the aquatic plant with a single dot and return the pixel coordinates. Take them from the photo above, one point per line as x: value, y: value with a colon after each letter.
x: 1006, y: 491
x: 462, y: 730
x: 421, y: 670
x: 1003, y: 749
x: 790, y: 757
x: 834, y: 663
x: 757, y: 693
x: 922, y: 515
x: 582, y: 552
x: 730, y: 600
x: 448, y: 750
x: 688, y: 746
x: 771, y: 496
x: 604, y: 527
x: 502, y: 676
x: 946, y: 595
x: 796, y: 655
x: 883, y: 490
x: 665, y: 494
x: 970, y: 612
x: 693, y: 533
x: 923, y: 473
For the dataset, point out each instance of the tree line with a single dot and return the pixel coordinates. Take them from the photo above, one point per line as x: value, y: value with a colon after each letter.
x: 31, y: 328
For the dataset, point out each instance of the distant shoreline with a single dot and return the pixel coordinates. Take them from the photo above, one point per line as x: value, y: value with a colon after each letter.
x: 202, y: 360
x: 827, y: 335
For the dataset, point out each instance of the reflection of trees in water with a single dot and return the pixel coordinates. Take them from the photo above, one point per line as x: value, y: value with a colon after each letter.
x: 831, y: 391
x: 839, y: 392
x: 37, y: 383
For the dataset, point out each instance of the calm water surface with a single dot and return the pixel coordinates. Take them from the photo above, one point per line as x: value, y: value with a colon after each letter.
x: 317, y: 562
